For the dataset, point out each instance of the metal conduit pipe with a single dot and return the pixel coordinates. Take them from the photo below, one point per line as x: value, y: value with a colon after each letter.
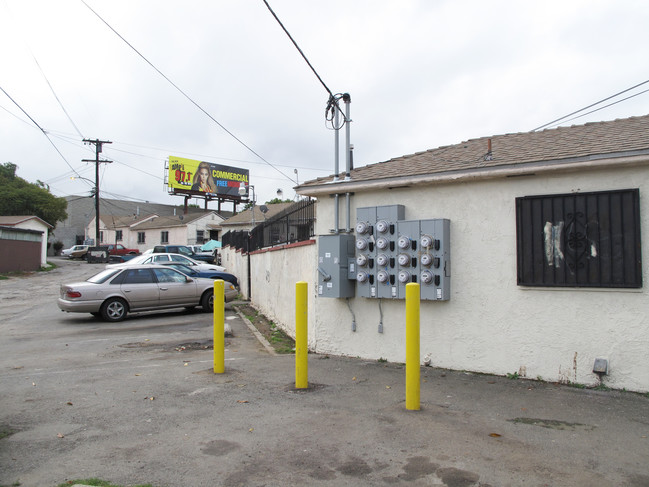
x: 347, y: 99
x: 336, y: 143
x: 336, y: 217
x: 348, y: 198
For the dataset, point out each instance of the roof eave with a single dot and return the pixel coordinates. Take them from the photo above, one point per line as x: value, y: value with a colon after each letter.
x: 493, y: 172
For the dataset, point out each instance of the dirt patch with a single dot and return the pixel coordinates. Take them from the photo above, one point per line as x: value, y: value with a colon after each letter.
x: 280, y: 341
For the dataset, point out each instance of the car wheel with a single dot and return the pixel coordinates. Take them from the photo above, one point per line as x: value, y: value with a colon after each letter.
x: 114, y: 309
x: 207, y: 301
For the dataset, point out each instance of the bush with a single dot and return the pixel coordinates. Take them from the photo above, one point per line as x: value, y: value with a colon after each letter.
x: 58, y: 245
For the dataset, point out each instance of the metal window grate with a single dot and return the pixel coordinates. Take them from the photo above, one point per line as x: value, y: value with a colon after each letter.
x: 579, y: 240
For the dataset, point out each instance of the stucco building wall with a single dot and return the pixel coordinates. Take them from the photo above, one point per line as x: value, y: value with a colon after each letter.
x: 491, y: 324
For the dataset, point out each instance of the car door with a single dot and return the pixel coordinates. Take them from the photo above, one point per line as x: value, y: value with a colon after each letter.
x: 175, y: 290
x: 140, y: 288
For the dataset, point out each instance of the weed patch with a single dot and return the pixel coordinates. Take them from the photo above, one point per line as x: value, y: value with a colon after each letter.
x: 280, y: 341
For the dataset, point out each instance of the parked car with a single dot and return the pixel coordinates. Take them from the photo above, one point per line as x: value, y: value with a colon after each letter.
x: 119, y: 249
x: 191, y: 251
x: 173, y: 249
x: 67, y: 252
x: 206, y: 274
x: 159, y: 258
x: 114, y: 292
x: 79, y: 252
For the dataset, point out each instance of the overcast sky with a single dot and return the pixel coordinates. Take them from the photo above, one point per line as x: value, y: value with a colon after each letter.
x: 421, y: 74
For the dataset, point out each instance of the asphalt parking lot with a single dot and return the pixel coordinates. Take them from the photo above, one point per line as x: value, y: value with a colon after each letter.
x: 137, y: 402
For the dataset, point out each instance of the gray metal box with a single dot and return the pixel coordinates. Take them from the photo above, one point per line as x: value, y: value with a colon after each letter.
x: 407, y: 248
x: 385, y: 236
x: 435, y: 259
x: 334, y: 253
x: 365, y: 252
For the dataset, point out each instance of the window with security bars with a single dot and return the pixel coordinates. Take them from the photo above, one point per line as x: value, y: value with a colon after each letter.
x: 579, y: 240
x: 118, y: 235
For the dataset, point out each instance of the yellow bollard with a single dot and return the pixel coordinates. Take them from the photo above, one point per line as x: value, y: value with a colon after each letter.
x: 412, y: 347
x: 219, y: 326
x: 301, y: 335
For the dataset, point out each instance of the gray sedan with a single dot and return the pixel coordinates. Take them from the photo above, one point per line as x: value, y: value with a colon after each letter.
x: 114, y: 292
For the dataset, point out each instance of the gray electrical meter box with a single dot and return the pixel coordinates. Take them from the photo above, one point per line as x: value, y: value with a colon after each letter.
x: 335, y: 254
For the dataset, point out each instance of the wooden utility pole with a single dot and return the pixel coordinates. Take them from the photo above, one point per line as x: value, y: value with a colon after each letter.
x: 98, y: 148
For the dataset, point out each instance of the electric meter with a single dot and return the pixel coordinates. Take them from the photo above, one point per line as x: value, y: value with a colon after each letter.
x: 404, y: 260
x: 404, y: 277
x: 361, y: 243
x: 382, y: 260
x: 403, y: 242
x: 362, y: 277
x: 426, y: 259
x: 362, y: 228
x: 382, y: 276
x: 426, y: 241
x: 382, y: 226
x: 382, y: 243
x: 426, y: 277
x: 361, y: 260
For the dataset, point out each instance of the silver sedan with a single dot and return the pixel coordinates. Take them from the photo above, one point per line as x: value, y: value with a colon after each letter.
x: 114, y: 292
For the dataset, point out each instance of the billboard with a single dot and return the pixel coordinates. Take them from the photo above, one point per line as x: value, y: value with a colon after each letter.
x: 205, y: 178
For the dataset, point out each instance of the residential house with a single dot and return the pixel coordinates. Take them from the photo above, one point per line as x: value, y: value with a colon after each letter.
x: 147, y: 231
x: 249, y: 218
x: 81, y: 210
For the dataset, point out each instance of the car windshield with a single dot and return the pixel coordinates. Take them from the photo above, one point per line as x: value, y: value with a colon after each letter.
x: 183, y: 268
x: 103, y: 276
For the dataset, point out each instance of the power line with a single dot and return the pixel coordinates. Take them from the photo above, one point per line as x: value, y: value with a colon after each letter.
x: 40, y: 128
x: 299, y: 50
x: 185, y: 94
x: 606, y: 106
x: 594, y: 104
x: 50, y: 85
x: 332, y: 102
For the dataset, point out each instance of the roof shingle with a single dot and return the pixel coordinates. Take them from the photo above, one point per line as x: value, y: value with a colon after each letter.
x: 617, y: 137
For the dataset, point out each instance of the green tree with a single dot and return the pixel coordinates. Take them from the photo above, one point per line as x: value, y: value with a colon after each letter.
x: 20, y: 197
x: 277, y: 200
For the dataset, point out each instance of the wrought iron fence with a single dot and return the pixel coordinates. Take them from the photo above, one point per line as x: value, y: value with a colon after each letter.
x: 294, y: 224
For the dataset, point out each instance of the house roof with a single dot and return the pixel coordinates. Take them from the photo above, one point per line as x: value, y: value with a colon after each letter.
x: 13, y: 220
x: 245, y: 217
x: 171, y: 221
x: 124, y: 221
x: 563, y: 145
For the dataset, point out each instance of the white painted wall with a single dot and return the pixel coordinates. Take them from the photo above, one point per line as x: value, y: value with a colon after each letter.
x: 490, y: 324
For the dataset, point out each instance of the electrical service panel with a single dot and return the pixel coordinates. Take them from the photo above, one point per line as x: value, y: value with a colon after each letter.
x: 335, y: 253
x: 385, y: 253
x: 392, y: 252
x: 424, y: 257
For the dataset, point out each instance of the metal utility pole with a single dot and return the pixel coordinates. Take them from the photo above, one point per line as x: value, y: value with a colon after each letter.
x: 98, y: 148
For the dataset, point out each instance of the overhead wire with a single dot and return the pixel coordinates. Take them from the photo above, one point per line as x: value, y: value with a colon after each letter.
x: 40, y: 128
x: 594, y: 104
x: 186, y: 95
x: 50, y: 84
x: 332, y: 102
